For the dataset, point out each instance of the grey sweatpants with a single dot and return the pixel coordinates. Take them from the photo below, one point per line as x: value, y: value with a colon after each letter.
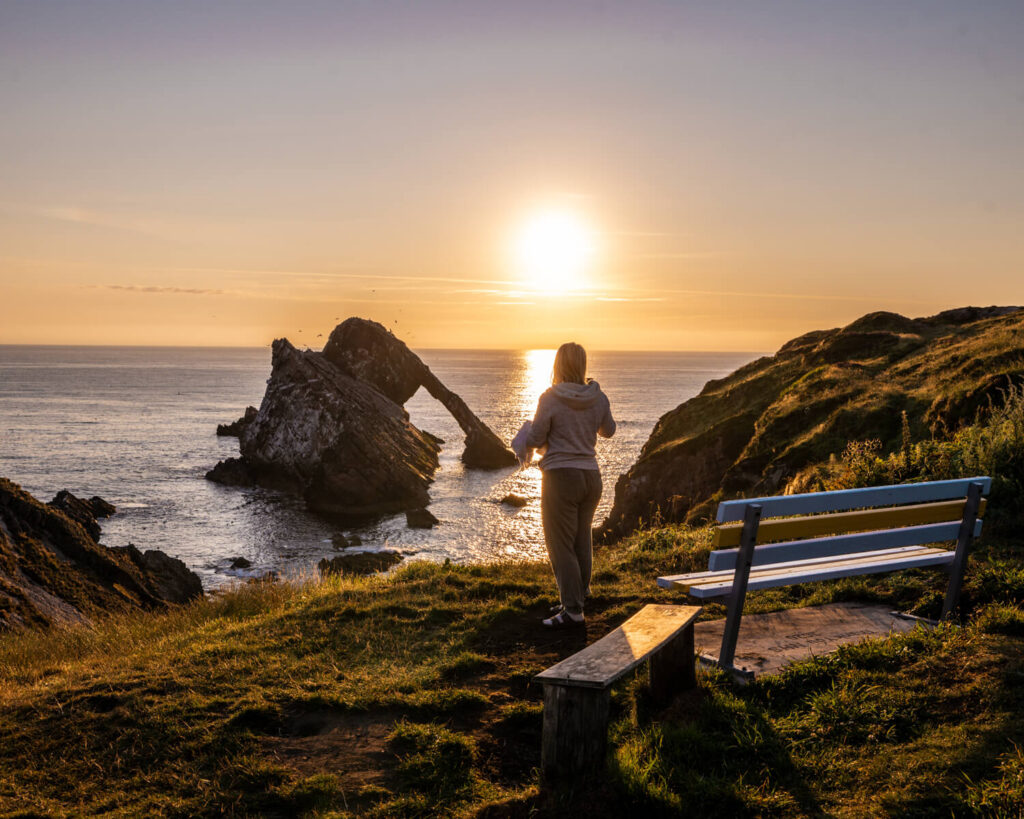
x: 568, y: 499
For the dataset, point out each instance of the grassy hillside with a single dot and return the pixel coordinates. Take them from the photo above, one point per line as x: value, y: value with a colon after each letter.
x: 411, y: 696
x: 754, y: 431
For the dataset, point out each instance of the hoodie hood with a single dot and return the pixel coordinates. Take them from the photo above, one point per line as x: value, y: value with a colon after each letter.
x: 578, y: 396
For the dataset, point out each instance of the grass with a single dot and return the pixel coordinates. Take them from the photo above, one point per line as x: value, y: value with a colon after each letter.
x: 411, y: 696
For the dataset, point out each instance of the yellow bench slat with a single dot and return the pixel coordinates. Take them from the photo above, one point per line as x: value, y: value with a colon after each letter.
x: 728, y: 535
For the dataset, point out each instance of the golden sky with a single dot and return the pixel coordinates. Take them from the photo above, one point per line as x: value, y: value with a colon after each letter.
x: 674, y: 175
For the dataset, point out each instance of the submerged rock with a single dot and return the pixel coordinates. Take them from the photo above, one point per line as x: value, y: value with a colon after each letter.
x: 512, y: 499
x: 341, y: 542
x: 240, y: 563
x: 53, y: 571
x: 420, y: 519
x: 361, y: 563
x: 332, y: 429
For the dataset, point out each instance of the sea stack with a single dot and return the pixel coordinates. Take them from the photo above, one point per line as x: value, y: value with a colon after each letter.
x: 332, y: 427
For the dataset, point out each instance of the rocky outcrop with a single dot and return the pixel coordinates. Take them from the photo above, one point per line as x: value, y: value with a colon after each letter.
x: 420, y: 519
x: 84, y: 512
x: 53, y: 571
x: 231, y: 472
x: 333, y: 439
x: 753, y: 432
x: 169, y: 577
x: 234, y: 429
x: 360, y: 563
x: 332, y: 429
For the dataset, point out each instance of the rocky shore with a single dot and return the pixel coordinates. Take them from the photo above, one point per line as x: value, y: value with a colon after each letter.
x: 53, y: 570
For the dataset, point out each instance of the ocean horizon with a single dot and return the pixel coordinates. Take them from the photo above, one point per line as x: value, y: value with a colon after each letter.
x: 136, y: 425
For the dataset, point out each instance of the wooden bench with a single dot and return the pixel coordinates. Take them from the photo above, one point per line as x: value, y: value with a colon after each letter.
x: 789, y: 539
x: 577, y: 690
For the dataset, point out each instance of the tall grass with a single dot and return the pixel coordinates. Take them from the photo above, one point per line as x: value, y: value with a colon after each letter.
x: 993, y: 445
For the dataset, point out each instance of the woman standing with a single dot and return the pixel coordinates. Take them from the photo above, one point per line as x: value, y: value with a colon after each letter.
x: 570, y: 415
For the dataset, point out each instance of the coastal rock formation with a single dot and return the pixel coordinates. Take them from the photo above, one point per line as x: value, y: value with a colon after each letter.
x: 53, y: 571
x: 332, y: 429
x: 334, y: 439
x: 234, y: 429
x: 367, y: 351
x: 360, y: 562
x: 754, y: 431
x: 420, y: 519
x: 231, y: 472
x: 84, y: 512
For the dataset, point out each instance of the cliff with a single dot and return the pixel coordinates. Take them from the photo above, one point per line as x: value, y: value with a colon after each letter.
x: 52, y: 570
x: 754, y: 431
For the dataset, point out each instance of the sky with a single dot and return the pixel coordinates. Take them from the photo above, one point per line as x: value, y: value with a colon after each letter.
x: 637, y: 175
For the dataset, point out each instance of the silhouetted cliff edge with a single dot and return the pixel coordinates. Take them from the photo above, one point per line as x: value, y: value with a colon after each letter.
x: 754, y: 431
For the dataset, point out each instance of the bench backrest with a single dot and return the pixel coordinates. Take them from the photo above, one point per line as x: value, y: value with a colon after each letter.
x: 848, y: 521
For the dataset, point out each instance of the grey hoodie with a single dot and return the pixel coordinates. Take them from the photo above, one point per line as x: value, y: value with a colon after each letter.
x: 569, y: 418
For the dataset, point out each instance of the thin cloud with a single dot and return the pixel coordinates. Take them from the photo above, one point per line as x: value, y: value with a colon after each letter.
x: 326, y: 276
x: 622, y: 298
x: 696, y: 254
x: 86, y: 216
x: 138, y: 288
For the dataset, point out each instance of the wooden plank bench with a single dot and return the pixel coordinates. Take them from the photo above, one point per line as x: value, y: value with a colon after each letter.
x: 790, y: 539
x: 577, y: 690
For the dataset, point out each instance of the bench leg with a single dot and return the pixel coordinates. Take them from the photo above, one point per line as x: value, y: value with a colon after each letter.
x: 963, y: 545
x: 744, y: 559
x: 673, y: 668
x: 575, y: 732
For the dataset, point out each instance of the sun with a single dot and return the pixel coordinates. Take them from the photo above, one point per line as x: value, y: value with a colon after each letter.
x: 553, y: 250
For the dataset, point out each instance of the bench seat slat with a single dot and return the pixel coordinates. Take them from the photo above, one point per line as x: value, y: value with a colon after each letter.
x: 728, y: 534
x: 842, y: 544
x: 935, y: 557
x: 698, y: 578
x: 845, y: 499
x: 620, y: 651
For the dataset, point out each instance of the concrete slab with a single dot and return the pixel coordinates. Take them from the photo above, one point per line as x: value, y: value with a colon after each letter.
x: 768, y: 642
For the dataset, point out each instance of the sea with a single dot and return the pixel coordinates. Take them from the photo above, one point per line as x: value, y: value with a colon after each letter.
x: 136, y: 426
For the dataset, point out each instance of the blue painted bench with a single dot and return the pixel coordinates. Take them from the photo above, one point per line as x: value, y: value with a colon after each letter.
x: 789, y: 539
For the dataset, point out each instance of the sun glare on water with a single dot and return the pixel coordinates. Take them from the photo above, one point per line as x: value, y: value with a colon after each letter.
x: 554, y: 250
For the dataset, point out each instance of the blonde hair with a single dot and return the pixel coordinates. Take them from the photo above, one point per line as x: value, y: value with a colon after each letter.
x: 570, y: 364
